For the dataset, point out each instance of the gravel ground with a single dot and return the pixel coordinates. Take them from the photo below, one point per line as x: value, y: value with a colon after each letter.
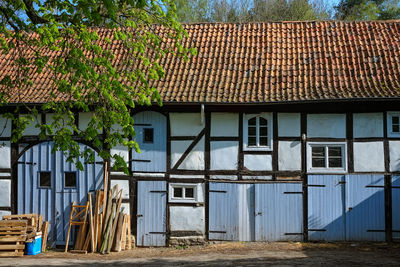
x: 229, y: 254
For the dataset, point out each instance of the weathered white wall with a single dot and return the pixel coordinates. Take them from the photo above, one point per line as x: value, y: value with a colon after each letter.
x: 50, y: 120
x: 5, y: 193
x: 31, y: 129
x: 5, y: 154
x: 121, y: 151
x: 84, y: 119
x: 187, y: 219
x: 127, y: 209
x: 326, y: 125
x: 289, y: 155
x: 186, y: 176
x: 257, y: 177
x: 394, y: 155
x: 367, y: 125
x: 258, y: 162
x: 195, y: 158
x: 5, y: 127
x: 122, y: 184
x: 185, y: 124
x: 224, y: 155
x: 368, y: 156
x: 224, y: 124
x: 289, y: 124
x: 4, y: 212
x: 224, y: 177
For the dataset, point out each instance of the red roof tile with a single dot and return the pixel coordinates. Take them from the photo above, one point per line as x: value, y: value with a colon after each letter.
x: 273, y: 62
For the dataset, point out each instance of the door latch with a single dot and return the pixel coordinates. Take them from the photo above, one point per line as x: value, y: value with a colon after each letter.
x: 139, y: 215
x: 350, y: 208
x: 258, y: 213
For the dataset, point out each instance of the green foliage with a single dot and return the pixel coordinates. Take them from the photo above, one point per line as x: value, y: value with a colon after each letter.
x: 368, y: 9
x: 62, y: 39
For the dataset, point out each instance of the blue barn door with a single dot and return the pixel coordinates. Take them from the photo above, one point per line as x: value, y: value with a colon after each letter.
x: 396, y: 207
x: 151, y: 135
x: 47, y: 185
x: 279, y: 212
x: 223, y: 211
x: 326, y: 207
x: 151, y: 213
x: 365, y: 208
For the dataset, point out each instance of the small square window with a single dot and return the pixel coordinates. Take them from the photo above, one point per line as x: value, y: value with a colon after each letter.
x: 329, y: 157
x: 70, y: 179
x: 178, y: 192
x: 148, y: 135
x: 395, y: 124
x: 45, y: 179
x: 189, y: 192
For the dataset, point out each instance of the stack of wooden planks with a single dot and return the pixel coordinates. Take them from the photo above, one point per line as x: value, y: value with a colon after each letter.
x: 12, y: 237
x: 103, y: 226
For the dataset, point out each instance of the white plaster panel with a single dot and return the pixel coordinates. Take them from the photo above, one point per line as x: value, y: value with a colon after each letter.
x: 4, y: 212
x: 224, y: 177
x: 84, y: 119
x: 257, y: 177
x: 177, y: 150
x: 367, y: 125
x: 5, y: 154
x: 5, y: 193
x: 31, y: 129
x: 289, y: 124
x: 394, y: 152
x: 368, y: 156
x: 121, y: 151
x: 127, y: 208
x: 289, y: 155
x: 224, y: 124
x: 50, y: 120
x: 183, y: 176
x: 5, y: 174
x: 5, y: 127
x: 122, y: 184
x: 224, y: 155
x: 326, y: 125
x: 185, y: 124
x: 187, y: 219
x: 258, y: 162
x: 195, y: 159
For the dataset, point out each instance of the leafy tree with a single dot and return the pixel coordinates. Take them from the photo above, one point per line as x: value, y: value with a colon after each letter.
x: 193, y: 10
x: 368, y: 9
x: 62, y: 39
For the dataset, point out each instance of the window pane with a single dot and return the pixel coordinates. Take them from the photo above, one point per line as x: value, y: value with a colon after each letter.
x: 252, y: 121
x: 335, y: 162
x: 395, y: 128
x: 318, y: 162
x: 335, y: 152
x: 263, y: 131
x: 263, y: 141
x: 318, y: 152
x: 189, y: 192
x: 45, y: 179
x: 251, y: 141
x: 148, y: 135
x: 70, y: 179
x: 178, y: 192
x: 395, y: 120
x: 252, y: 131
x: 263, y: 122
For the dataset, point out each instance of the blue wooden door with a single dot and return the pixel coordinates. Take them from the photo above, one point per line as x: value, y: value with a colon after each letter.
x: 396, y: 207
x: 223, y: 211
x: 151, y: 213
x: 365, y: 208
x: 278, y: 212
x: 47, y: 185
x: 326, y: 207
x: 151, y: 136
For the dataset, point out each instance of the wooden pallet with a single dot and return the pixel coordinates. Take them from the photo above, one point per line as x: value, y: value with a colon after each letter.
x: 12, y: 238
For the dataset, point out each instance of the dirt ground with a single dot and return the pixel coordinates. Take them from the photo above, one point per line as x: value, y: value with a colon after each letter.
x: 228, y: 254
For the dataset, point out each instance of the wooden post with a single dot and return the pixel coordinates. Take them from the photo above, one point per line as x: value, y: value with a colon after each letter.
x: 45, y: 232
x: 91, y: 221
x: 69, y: 226
x: 105, y: 184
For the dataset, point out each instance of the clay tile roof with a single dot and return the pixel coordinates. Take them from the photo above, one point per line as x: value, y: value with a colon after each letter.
x: 274, y: 62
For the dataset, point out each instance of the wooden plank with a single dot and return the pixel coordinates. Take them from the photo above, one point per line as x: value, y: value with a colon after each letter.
x: 114, y: 226
x: 4, y: 239
x: 18, y: 232
x: 107, y: 233
x: 78, y: 251
x: 91, y: 222
x: 45, y: 232
x: 100, y: 222
x: 11, y: 247
x: 105, y: 185
x: 129, y: 237
x: 13, y: 223
x: 40, y: 223
x: 9, y: 228
x: 118, y: 233
x: 123, y: 236
x: 11, y: 254
x: 69, y: 226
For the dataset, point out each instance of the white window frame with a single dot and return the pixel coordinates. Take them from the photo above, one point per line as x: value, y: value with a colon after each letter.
x: 246, y: 118
x: 391, y: 114
x: 311, y: 169
x: 183, y: 199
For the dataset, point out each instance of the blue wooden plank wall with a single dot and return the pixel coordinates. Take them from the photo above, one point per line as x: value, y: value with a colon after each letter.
x: 151, y: 213
x: 396, y: 207
x: 153, y: 155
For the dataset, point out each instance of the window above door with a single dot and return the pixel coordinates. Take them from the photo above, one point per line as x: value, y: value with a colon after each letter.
x: 327, y: 157
x: 257, y: 132
x: 393, y: 124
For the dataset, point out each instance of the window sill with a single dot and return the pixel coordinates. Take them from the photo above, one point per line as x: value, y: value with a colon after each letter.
x: 257, y: 148
x: 326, y: 170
